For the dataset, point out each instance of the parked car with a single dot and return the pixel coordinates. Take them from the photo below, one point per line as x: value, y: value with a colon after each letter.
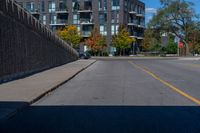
x: 84, y: 55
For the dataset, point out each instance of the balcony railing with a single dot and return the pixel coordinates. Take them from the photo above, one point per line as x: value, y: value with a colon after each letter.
x: 140, y: 14
x: 35, y: 12
x: 86, y: 33
x: 133, y: 34
x: 133, y: 12
x: 59, y: 22
x: 136, y: 35
x: 85, y: 10
x: 87, y: 21
x: 141, y: 25
x: 132, y: 23
x: 61, y: 11
x: 140, y: 36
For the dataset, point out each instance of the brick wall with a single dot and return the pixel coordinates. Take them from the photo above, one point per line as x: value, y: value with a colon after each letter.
x: 26, y: 46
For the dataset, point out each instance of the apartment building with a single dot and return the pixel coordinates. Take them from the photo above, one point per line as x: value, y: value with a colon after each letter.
x: 106, y: 15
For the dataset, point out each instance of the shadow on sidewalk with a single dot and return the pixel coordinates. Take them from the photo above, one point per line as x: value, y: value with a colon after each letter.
x: 103, y: 119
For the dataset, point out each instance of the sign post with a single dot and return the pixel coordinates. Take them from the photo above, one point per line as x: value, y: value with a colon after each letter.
x: 180, y: 46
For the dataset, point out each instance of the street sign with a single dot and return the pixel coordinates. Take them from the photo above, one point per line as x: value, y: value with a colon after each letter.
x: 180, y: 44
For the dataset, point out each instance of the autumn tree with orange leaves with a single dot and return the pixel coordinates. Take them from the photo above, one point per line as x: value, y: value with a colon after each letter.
x: 96, y: 42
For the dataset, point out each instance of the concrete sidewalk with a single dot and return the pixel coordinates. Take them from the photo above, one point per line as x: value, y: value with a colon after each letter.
x: 133, y: 58
x: 144, y: 58
x: 17, y: 94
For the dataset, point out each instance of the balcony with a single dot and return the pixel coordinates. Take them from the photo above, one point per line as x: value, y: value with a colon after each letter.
x: 87, y: 22
x: 140, y: 14
x: 132, y: 12
x: 140, y: 36
x: 87, y: 7
x: 141, y: 26
x: 59, y: 22
x: 132, y: 23
x: 86, y: 33
x: 136, y: 35
x: 85, y: 10
x: 35, y: 13
x: 133, y: 34
x: 61, y: 11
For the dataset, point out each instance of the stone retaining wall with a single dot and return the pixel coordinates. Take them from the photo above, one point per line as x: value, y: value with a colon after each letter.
x: 26, y: 45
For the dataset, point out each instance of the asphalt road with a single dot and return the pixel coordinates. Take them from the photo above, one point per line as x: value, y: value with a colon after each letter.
x: 119, y: 96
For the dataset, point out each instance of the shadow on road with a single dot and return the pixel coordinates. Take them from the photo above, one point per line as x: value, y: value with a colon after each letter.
x: 103, y: 119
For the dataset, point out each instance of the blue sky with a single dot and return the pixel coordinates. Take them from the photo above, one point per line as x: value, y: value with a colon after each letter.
x: 152, y: 5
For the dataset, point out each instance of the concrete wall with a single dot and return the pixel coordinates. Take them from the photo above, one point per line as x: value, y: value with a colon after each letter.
x: 26, y: 46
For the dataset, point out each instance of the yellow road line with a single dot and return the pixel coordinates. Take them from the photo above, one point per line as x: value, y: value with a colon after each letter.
x: 167, y: 84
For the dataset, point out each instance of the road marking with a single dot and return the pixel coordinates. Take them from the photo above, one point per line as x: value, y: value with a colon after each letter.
x: 166, y: 83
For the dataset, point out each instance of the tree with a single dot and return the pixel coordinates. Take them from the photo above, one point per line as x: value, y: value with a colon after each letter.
x: 150, y: 40
x: 96, y: 42
x: 194, y: 42
x: 122, y: 40
x: 71, y: 35
x: 102, y: 44
x: 175, y: 17
x: 171, y: 47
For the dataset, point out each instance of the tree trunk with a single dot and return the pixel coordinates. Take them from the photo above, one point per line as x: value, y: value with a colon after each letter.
x: 123, y: 52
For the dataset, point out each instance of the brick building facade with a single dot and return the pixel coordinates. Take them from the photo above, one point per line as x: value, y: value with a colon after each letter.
x: 106, y: 15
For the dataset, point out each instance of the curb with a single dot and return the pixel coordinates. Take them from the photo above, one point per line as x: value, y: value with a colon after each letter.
x: 135, y: 58
x: 60, y: 84
x: 12, y: 114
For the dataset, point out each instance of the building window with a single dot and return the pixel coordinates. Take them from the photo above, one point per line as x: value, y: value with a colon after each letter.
x: 103, y: 30
x: 76, y: 19
x: 52, y: 6
x: 75, y: 5
x: 30, y: 6
x: 78, y: 28
x: 112, y: 17
x: 115, y: 5
x: 105, y: 5
x: 102, y: 18
x: 63, y: 5
x: 86, y: 30
x: 44, y: 19
x: 117, y: 28
x: 117, y: 17
x: 113, y: 29
x: 43, y: 6
x: 88, y: 5
x: 53, y: 19
x: 126, y: 5
x: 100, y: 5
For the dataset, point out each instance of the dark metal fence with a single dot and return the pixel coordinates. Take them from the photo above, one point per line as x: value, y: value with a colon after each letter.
x: 26, y: 45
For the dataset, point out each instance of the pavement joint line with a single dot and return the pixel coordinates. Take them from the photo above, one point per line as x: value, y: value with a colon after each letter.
x: 179, y: 91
